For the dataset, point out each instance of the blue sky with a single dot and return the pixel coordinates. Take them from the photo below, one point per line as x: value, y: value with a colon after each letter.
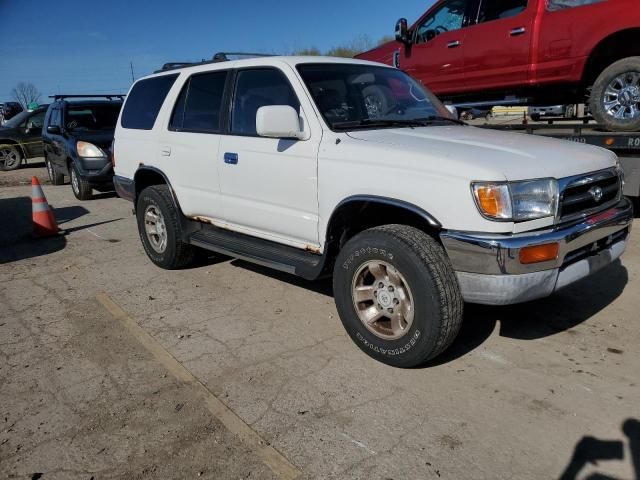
x: 78, y: 46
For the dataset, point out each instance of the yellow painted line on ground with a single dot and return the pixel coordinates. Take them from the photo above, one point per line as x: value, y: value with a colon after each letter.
x: 269, y: 455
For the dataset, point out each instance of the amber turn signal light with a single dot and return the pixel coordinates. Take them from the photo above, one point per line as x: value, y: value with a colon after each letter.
x: 539, y: 253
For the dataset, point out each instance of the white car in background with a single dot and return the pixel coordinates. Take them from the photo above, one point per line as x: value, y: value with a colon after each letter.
x: 332, y: 167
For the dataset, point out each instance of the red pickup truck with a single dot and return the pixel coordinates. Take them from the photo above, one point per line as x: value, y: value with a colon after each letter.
x: 542, y: 52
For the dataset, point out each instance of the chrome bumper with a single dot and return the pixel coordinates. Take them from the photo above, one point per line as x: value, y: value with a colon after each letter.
x: 489, y: 270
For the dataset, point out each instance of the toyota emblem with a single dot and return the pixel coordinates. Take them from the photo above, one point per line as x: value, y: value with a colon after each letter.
x: 596, y: 193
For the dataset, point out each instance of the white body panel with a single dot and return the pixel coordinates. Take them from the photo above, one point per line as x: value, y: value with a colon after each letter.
x: 287, y: 190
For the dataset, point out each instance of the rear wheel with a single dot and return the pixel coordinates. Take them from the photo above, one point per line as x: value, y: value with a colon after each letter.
x: 397, y: 295
x: 55, y: 177
x: 159, y: 229
x: 81, y: 188
x: 10, y: 158
x: 615, y: 97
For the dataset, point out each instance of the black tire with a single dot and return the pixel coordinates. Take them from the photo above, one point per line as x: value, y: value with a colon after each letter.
x: 438, y: 303
x: 599, y: 97
x: 378, y: 100
x: 80, y: 187
x: 10, y: 157
x: 55, y: 177
x: 535, y: 117
x: 177, y: 253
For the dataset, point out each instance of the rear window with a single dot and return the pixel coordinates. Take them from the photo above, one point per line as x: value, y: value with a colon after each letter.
x: 553, y: 5
x: 144, y: 102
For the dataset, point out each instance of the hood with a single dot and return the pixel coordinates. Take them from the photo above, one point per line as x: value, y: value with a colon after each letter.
x: 100, y: 139
x: 486, y: 154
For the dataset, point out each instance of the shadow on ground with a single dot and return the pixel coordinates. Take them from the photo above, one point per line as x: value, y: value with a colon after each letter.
x: 590, y: 450
x: 529, y: 321
x: 16, y: 240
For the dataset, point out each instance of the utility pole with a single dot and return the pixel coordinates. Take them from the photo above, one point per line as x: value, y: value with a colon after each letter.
x: 132, y: 77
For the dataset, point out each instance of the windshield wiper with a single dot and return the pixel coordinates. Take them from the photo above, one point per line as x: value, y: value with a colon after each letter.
x: 440, y: 118
x: 381, y: 122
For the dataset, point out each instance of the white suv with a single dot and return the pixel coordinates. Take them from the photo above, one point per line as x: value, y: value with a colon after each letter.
x: 322, y: 166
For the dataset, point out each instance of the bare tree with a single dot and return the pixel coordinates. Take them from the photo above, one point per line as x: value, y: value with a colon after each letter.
x: 26, y: 93
x: 349, y: 50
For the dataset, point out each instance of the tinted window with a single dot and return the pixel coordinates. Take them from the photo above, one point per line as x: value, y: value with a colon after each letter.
x: 35, y: 121
x: 447, y: 18
x: 553, y: 5
x: 199, y: 105
x: 498, y: 9
x: 255, y: 89
x: 144, y: 102
x: 91, y: 117
x: 55, y: 117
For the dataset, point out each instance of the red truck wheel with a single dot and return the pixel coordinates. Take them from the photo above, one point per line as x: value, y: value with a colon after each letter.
x: 615, y: 98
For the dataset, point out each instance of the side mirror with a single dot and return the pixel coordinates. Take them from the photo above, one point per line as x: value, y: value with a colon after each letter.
x: 54, y: 130
x: 402, y: 31
x: 278, y: 121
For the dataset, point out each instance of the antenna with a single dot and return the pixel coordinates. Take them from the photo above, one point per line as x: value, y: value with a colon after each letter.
x: 133, y: 79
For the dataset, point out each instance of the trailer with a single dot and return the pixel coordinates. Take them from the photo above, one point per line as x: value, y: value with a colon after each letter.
x: 624, y: 144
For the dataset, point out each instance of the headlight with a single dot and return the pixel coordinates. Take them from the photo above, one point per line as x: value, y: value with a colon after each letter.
x: 89, y: 150
x: 517, y: 201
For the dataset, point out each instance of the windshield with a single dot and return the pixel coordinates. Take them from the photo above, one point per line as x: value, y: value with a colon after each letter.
x: 92, y: 117
x: 17, y: 120
x: 362, y: 96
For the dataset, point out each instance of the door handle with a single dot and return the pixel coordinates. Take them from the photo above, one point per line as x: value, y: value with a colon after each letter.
x: 231, y: 158
x: 454, y: 44
x: 166, y: 152
x: 518, y: 31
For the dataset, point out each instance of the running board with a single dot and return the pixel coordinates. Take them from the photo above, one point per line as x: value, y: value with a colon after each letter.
x: 274, y: 255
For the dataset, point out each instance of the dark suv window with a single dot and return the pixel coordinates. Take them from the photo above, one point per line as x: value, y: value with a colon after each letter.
x: 498, y: 9
x: 144, y: 102
x: 92, y: 117
x: 199, y: 105
x: 257, y: 88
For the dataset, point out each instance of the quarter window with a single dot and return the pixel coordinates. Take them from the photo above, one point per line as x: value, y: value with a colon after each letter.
x: 257, y: 88
x: 56, y: 118
x: 199, y: 106
x: 498, y: 9
x: 144, y: 102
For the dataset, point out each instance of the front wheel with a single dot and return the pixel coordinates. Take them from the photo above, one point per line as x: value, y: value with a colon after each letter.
x: 10, y: 158
x: 80, y: 187
x: 55, y: 177
x: 615, y: 97
x: 397, y: 295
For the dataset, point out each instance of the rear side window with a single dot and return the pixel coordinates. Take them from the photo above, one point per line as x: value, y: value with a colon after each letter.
x: 144, y: 102
x: 56, y: 118
x: 553, y: 5
x: 199, y: 106
x: 498, y: 9
x: 257, y: 88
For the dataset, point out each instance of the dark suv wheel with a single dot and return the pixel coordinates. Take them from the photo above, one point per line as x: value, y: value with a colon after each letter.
x: 159, y: 229
x: 81, y: 188
x: 10, y: 158
x: 397, y: 295
x: 55, y: 177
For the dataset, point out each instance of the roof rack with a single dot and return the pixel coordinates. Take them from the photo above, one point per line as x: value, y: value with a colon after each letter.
x: 217, y: 58
x: 109, y: 96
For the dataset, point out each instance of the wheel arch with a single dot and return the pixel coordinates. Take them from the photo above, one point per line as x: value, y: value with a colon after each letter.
x: 618, y: 45
x: 147, y: 176
x: 361, y: 212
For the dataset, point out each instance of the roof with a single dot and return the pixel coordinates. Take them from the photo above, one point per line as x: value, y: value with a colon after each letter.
x: 292, y: 61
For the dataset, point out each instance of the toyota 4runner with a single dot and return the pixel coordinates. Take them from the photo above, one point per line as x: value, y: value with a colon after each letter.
x: 282, y: 161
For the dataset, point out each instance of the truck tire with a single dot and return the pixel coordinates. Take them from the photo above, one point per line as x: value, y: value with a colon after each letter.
x: 397, y: 295
x: 10, y: 157
x: 615, y: 97
x: 79, y: 186
x: 159, y: 229
x: 55, y: 177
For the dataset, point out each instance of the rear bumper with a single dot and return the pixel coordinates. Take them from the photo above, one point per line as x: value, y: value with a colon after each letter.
x: 489, y: 269
x: 125, y: 188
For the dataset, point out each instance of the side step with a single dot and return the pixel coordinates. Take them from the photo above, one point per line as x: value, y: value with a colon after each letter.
x: 274, y: 255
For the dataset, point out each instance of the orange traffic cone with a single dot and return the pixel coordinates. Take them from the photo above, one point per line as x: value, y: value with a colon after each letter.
x: 44, y: 222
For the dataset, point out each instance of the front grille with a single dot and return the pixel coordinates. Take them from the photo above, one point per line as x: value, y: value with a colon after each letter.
x: 589, y: 194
